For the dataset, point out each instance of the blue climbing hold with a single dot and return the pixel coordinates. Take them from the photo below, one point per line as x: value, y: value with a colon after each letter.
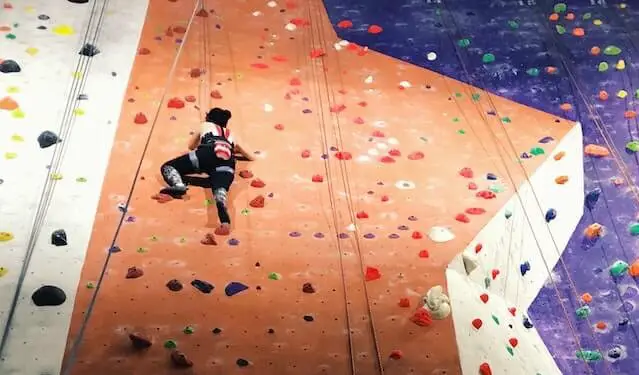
x: 551, y: 214
x: 524, y: 267
x: 234, y: 288
x: 592, y: 197
x: 491, y: 176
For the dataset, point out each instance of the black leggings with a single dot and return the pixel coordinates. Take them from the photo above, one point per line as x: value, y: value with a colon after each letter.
x: 221, y: 175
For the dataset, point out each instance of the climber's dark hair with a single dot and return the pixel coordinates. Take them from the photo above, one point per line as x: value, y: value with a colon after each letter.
x: 218, y: 116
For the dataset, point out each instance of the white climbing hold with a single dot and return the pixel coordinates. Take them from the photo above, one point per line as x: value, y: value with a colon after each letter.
x: 268, y: 108
x: 470, y: 262
x: 363, y: 159
x: 290, y: 27
x: 440, y: 234
x: 257, y: 13
x: 437, y: 303
x: 431, y: 56
x: 392, y: 141
x: 271, y: 4
x: 373, y: 152
x: 369, y: 80
x: 405, y: 84
x: 405, y: 185
x: 382, y: 146
x: 351, y: 228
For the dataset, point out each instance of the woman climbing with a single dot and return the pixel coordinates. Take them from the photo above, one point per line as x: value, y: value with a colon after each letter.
x: 213, y: 152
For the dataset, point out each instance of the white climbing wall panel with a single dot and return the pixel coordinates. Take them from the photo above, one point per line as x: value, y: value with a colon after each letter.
x: 48, y: 60
x: 518, y: 234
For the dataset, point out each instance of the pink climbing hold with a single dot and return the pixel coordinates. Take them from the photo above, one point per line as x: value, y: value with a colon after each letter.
x: 462, y: 218
x: 378, y: 134
x: 343, y: 155
x: 337, y: 108
x: 512, y: 311
x: 396, y: 354
x: 306, y: 154
x: 216, y: 94
x: 475, y: 211
x: 486, y: 194
x: 358, y: 120
x: 259, y: 66
x: 387, y: 160
x: 417, y: 155
x: 345, y: 24
x: 466, y: 172
x: 394, y: 152
x: 295, y: 82
x: 472, y: 186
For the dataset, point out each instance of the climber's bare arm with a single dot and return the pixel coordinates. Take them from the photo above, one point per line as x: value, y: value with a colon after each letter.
x: 245, y: 154
x: 194, y: 141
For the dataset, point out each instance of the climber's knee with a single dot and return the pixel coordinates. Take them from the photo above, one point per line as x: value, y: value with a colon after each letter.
x: 221, y: 196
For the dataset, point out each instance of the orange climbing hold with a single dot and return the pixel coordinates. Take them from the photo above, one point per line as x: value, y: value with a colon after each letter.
x: 586, y: 298
x: 630, y: 114
x: 8, y: 104
x: 578, y: 31
x: 551, y: 70
x: 566, y: 107
x: 554, y: 17
x: 570, y: 16
x: 593, y: 231
x: 595, y: 51
x: 596, y: 150
x: 345, y: 24
x: 603, y: 95
x: 561, y: 180
x: 375, y: 29
x: 634, y: 269
x: 601, y: 325
x: 560, y: 155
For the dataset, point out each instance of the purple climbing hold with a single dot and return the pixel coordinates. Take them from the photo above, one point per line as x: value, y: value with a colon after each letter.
x: 402, y: 227
x: 525, y: 155
x: 343, y: 236
x: 592, y: 197
x: 546, y: 140
x: 369, y: 236
x: 393, y: 236
x: 491, y: 176
x: 412, y: 218
x: 295, y: 234
x: 318, y: 235
x: 233, y: 242
x: 307, y: 111
x: 234, y: 288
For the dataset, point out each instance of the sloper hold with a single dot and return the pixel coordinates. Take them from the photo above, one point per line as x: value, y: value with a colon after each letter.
x: 47, y: 139
x: 49, y: 295
x: 10, y: 66
x: 89, y: 50
x: 470, y: 263
x: 234, y: 288
x: 437, y: 303
x: 59, y: 238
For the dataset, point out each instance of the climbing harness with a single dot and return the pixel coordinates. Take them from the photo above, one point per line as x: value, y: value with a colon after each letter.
x: 73, y: 351
x: 493, y: 135
x: 78, y: 83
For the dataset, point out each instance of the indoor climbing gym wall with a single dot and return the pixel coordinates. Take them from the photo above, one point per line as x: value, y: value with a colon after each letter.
x: 439, y: 187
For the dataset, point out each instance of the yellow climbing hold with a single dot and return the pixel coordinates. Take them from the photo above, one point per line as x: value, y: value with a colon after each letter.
x: 6, y: 236
x: 10, y: 155
x: 623, y: 6
x: 29, y: 9
x: 597, y: 22
x: 32, y: 51
x: 78, y: 112
x: 63, y: 30
x: 17, y: 113
x: 622, y: 94
x: 3, y: 271
x: 17, y: 138
x: 56, y: 176
x: 77, y: 75
x: 621, y: 65
x: 13, y: 89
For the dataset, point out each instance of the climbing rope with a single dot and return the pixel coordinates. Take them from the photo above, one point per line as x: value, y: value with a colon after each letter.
x: 78, y: 83
x: 73, y: 352
x: 573, y: 288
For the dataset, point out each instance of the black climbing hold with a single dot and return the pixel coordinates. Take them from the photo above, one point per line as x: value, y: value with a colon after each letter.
x: 615, y: 352
x: 257, y: 264
x: 89, y: 50
x: 49, y: 295
x: 271, y: 331
x: 202, y: 286
x: 527, y: 323
x: 59, y: 238
x: 9, y: 66
x: 623, y: 322
x: 242, y: 362
x: 43, y: 17
x: 83, y: 97
x: 174, y: 285
x: 79, y: 1
x: 115, y: 249
x: 308, y: 318
x: 47, y: 139
x: 217, y: 331
x: 42, y: 27
x: 1, y: 181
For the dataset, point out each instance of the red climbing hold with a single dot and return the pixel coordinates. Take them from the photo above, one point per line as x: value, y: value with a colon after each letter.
x: 259, y: 66
x: 486, y: 194
x: 478, y: 248
x: 209, y: 239
x: 358, y: 120
x: 144, y: 51
x: 484, y: 298
x: 279, y: 58
x: 190, y: 98
x: 396, y: 354
x: 216, y: 94
x: 202, y: 13
x: 257, y: 202
x: 375, y: 29
x: 140, y: 119
x: 472, y: 186
x: 362, y: 104
x: 246, y: 174
x: 394, y: 152
x: 222, y: 231
x: 179, y: 29
x: 424, y: 254
x: 169, y: 32
x: 385, y: 198
x: 404, y: 302
x: 195, y: 73
x: 279, y: 127
x: 343, y: 155
x: 462, y: 218
x: 417, y: 235
x: 494, y: 273
x: 372, y: 274
x: 512, y: 311
x: 257, y: 183
x: 362, y: 215
x: 513, y: 342
x: 378, y: 134
x: 337, y: 108
x: 300, y: 22
x: 417, y: 155
x: 466, y: 172
x: 318, y: 178
x: 477, y: 323
x: 422, y: 317
x: 484, y: 369
x: 176, y: 103
x: 387, y: 160
x: 295, y: 82
x: 475, y: 211
x: 306, y: 154
x: 317, y: 53
x: 345, y: 24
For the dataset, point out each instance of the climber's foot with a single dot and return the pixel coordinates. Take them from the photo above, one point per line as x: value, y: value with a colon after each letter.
x: 176, y: 192
x: 223, y: 230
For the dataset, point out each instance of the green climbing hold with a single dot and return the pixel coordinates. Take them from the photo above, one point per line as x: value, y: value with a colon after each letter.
x: 461, y: 131
x: 587, y: 16
x: 274, y: 276
x: 612, y: 51
x: 475, y: 97
x: 11, y: 36
x: 496, y: 320
x: 506, y: 120
x: 90, y: 285
x: 513, y: 24
x: 637, y: 94
x: 455, y: 119
x: 141, y: 250
x: 603, y: 66
x: 189, y: 330
x: 618, y: 268
x: 537, y: 151
x: 208, y: 202
x: 634, y: 229
x: 583, y: 312
x: 487, y: 282
x: 632, y: 146
x: 488, y: 58
x: 510, y: 350
x: 463, y: 43
x: 80, y: 179
x: 534, y: 72
x: 459, y: 95
x: 560, y: 29
x: 170, y: 344
x: 560, y: 8
x: 496, y: 188
x: 246, y: 212
x: 589, y: 355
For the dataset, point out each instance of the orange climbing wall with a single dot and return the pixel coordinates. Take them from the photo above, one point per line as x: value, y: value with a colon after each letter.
x: 271, y: 74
